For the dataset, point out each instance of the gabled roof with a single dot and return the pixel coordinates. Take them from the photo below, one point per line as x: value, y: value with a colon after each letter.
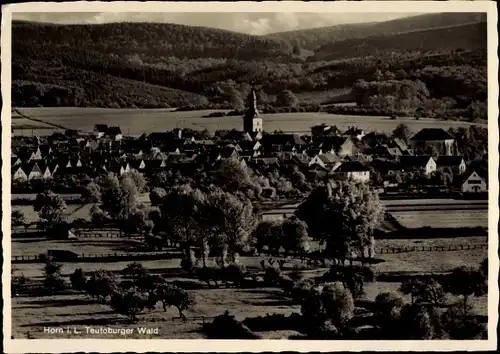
x: 114, y: 131
x: 282, y: 139
x: 101, y: 128
x: 350, y: 166
x: 449, y: 161
x: 432, y: 134
x: 414, y: 161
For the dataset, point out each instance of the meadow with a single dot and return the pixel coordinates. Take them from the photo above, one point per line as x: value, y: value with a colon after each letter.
x: 135, y: 122
x: 31, y: 314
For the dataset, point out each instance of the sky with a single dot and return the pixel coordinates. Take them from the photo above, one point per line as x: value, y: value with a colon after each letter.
x: 251, y: 23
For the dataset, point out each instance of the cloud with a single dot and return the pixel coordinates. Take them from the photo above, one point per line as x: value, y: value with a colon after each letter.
x: 252, y: 23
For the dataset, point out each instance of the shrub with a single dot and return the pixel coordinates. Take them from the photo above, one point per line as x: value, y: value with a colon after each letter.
x: 459, y: 324
x: 234, y: 272
x: 272, y: 275
x: 129, y: 303
x: 338, y: 303
x: 226, y: 326
x: 416, y: 323
x: 77, y: 279
x: 18, y: 283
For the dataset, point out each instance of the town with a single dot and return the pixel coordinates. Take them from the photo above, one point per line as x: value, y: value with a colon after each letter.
x: 429, y: 161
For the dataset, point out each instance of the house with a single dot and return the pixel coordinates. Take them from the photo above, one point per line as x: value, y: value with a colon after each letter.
x: 27, y: 172
x: 282, y: 142
x: 476, y: 182
x: 19, y: 174
x: 455, y: 164
x: 326, y: 161
x: 350, y: 170
x: 100, y: 130
x: 430, y: 140
x: 323, y: 130
x: 426, y: 164
x: 114, y: 133
x: 36, y: 155
x: 354, y: 132
x: 339, y: 145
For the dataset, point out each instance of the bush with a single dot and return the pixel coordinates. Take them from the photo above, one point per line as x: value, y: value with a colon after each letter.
x: 234, y: 272
x: 459, y: 324
x: 338, y: 303
x: 129, y: 303
x: 78, y: 279
x: 416, y: 323
x: 275, y: 322
x: 226, y: 326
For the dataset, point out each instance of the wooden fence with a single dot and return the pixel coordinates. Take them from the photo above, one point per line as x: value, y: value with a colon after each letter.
x: 117, y: 257
x: 448, y: 248
x: 102, y: 257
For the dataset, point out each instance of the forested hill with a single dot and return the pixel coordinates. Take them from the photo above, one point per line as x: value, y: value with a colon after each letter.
x: 464, y: 37
x: 149, y: 40
x: 311, y: 39
x: 161, y: 65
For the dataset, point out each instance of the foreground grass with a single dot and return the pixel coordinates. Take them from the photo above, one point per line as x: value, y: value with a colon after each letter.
x: 35, y: 246
x: 30, y: 316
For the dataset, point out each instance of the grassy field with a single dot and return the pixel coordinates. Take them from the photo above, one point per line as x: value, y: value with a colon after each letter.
x: 73, y: 211
x: 442, y: 218
x: 134, y: 121
x: 35, y: 246
x: 79, y: 311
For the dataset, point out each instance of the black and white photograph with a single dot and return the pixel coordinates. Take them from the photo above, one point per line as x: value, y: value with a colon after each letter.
x: 308, y: 176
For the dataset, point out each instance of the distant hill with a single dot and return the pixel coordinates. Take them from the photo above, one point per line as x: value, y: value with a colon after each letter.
x: 463, y: 37
x: 151, y: 40
x: 311, y: 39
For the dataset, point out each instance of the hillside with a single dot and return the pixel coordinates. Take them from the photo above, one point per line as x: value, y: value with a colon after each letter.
x: 311, y: 39
x: 463, y: 37
x: 150, y: 40
x: 140, y: 65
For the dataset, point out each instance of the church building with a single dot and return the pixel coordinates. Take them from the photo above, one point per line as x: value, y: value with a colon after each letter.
x: 252, y: 121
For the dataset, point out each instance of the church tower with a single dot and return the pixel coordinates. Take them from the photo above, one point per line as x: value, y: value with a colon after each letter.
x: 252, y: 121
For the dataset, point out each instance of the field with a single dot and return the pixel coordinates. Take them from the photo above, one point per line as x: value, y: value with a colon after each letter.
x: 134, y: 121
x: 442, y: 218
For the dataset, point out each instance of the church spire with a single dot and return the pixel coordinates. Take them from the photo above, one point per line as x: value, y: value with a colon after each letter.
x: 252, y: 119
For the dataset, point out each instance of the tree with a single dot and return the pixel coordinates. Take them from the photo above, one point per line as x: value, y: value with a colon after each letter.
x: 236, y: 100
x: 338, y: 304
x: 343, y: 215
x: 171, y: 295
x: 294, y: 235
x: 138, y: 180
x: 184, y: 217
x: 130, y: 303
x: 416, y: 323
x: 388, y: 309
x: 53, y: 280
x: 17, y: 218
x: 231, y: 176
x: 91, y: 193
x: 78, y: 279
x: 402, y: 132
x: 51, y: 208
x: 286, y: 98
x: 296, y: 49
x: 412, y: 287
x: 156, y: 196
x: 232, y: 221
x: 268, y: 233
x: 101, y: 285
x: 135, y: 271
x: 138, y: 220
x: 466, y: 281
